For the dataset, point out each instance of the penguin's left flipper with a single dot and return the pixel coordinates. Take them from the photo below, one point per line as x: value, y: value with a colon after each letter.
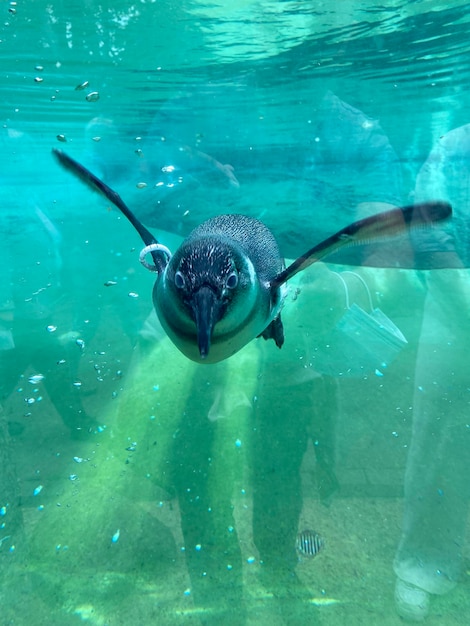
x: 275, y: 331
x: 98, y: 185
x: 379, y: 226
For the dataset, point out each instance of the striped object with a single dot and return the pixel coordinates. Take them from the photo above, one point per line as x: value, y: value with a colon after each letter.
x: 309, y: 543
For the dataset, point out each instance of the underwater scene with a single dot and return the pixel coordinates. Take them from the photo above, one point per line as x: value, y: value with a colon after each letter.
x: 234, y: 312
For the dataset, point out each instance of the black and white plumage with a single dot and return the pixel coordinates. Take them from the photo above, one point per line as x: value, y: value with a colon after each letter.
x: 222, y: 275
x: 224, y: 285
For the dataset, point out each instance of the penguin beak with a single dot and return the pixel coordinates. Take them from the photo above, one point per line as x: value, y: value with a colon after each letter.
x: 207, y: 312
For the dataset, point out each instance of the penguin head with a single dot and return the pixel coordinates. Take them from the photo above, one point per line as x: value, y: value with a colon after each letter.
x: 207, y: 298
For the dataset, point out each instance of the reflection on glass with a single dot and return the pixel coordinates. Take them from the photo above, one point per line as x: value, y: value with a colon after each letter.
x: 137, y: 486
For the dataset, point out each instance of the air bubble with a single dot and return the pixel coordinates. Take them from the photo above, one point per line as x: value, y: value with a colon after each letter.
x: 36, y: 378
x: 93, y: 96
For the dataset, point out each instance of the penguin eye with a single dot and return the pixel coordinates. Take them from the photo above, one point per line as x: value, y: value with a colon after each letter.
x: 232, y: 280
x: 179, y: 280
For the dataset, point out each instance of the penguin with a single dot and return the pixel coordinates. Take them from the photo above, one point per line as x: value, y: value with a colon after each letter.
x: 226, y: 283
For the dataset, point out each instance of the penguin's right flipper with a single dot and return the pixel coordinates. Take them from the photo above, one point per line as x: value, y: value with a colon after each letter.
x: 382, y: 225
x: 98, y: 185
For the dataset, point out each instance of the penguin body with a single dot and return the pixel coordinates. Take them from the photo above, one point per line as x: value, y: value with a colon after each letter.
x: 225, y: 284
x: 222, y: 274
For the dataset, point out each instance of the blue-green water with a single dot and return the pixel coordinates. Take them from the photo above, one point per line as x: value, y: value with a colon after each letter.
x: 138, y: 487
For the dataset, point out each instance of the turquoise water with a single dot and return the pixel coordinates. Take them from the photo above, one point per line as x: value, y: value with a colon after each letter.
x: 139, y: 487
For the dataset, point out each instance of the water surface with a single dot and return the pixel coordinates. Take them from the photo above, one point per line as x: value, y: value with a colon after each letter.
x: 137, y: 487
